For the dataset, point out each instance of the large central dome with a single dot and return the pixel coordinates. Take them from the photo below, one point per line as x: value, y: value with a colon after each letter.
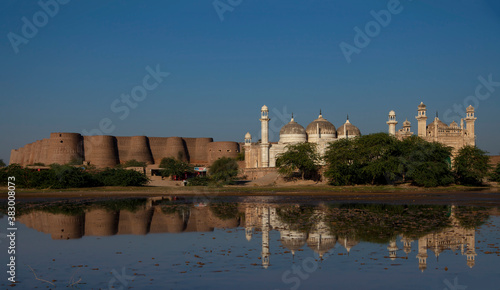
x: 321, y: 128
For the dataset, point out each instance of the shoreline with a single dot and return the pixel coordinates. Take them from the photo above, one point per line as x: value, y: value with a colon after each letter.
x: 459, y: 195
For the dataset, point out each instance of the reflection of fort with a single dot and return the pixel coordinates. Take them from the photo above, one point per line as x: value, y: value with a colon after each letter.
x: 98, y: 221
x: 320, y: 236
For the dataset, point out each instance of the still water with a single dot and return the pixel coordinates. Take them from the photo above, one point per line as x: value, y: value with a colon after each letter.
x: 253, y: 243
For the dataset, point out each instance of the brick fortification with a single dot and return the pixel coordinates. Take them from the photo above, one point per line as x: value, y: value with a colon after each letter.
x: 108, y: 151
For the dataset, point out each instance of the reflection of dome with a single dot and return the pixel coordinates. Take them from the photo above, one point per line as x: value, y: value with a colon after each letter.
x: 293, y: 240
x: 292, y: 132
x: 349, y: 129
x: 321, y: 243
x: 348, y: 243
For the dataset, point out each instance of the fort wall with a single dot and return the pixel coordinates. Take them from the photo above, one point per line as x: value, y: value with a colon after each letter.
x: 217, y: 150
x: 101, y: 150
x: 108, y: 151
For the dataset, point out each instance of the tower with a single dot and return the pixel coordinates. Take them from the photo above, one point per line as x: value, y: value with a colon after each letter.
x: 470, y: 120
x: 265, y: 237
x: 422, y: 254
x: 422, y: 119
x: 264, y: 143
x: 392, y: 123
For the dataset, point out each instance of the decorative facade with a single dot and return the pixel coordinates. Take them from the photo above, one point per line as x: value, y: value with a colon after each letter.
x: 451, y: 135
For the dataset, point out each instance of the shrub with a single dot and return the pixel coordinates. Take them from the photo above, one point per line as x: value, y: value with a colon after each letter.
x: 224, y: 170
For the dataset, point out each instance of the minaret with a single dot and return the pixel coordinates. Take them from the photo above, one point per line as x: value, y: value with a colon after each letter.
x: 469, y: 121
x: 265, y: 237
x: 422, y: 119
x: 392, y: 123
x: 422, y: 254
x: 248, y: 144
x: 406, y: 126
x: 264, y: 144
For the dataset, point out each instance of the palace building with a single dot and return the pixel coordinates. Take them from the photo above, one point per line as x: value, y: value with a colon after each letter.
x: 451, y: 135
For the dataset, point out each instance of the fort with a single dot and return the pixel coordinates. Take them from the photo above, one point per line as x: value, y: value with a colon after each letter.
x: 108, y: 151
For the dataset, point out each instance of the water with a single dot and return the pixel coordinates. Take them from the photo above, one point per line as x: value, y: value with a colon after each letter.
x: 253, y: 243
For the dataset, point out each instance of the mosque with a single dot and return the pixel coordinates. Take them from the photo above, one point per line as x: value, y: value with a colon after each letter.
x: 321, y: 132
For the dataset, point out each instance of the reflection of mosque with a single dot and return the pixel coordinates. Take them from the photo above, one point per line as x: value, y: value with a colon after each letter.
x: 322, y: 240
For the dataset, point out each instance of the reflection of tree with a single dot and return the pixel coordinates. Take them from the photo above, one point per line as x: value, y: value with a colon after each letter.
x: 471, y: 217
x: 382, y: 223
x: 225, y: 211
x: 72, y: 208
x: 297, y: 217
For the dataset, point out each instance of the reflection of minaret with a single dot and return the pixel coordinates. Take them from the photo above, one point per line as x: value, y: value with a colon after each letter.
x: 471, y: 248
x: 406, y: 244
x: 422, y: 254
x: 265, y: 237
x: 393, y: 248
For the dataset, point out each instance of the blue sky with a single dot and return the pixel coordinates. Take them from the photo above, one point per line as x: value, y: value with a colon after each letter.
x: 285, y: 54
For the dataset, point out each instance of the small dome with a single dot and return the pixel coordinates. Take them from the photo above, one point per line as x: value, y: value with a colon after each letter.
x: 406, y: 123
x: 349, y: 128
x: 292, y: 128
x: 470, y: 108
x: 392, y: 113
x: 440, y: 124
x: 264, y: 108
x: 453, y: 125
x: 422, y: 106
x: 321, y: 124
x: 248, y: 136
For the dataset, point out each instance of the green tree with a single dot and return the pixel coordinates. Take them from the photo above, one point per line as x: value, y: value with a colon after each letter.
x: 224, y: 169
x: 343, y: 165
x: 174, y: 167
x: 382, y: 159
x: 471, y: 166
x: 2, y: 164
x: 495, y: 174
x: 424, y: 163
x: 301, y: 157
x: 134, y: 163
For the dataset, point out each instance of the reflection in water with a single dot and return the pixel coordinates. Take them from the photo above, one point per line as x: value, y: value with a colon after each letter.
x: 434, y: 228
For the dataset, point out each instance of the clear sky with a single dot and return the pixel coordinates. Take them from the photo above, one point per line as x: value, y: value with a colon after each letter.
x: 63, y: 72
